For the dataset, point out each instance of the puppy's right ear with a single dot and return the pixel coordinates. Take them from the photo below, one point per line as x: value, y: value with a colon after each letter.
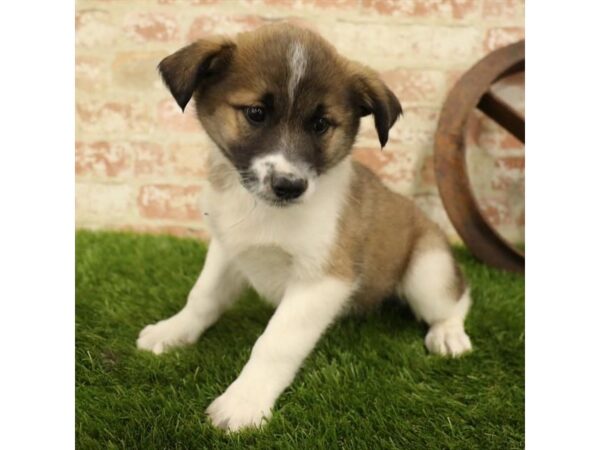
x: 194, y: 66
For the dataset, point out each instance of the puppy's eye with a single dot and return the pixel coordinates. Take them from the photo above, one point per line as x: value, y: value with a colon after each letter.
x: 255, y: 114
x: 321, y: 125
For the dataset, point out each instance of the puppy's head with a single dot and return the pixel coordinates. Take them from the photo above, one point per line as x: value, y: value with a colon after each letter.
x: 280, y: 103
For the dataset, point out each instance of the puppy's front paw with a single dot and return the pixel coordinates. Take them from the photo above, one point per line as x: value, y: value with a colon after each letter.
x: 181, y: 329
x: 239, y: 408
x: 447, y: 338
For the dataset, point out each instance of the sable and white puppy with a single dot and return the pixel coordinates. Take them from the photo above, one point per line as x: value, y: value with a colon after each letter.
x: 290, y: 213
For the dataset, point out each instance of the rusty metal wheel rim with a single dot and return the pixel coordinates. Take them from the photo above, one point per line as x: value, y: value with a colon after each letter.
x: 452, y: 178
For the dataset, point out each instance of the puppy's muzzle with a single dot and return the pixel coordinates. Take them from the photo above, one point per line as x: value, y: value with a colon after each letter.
x: 287, y: 187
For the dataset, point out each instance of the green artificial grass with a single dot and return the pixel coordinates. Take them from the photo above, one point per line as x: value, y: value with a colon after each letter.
x: 369, y: 384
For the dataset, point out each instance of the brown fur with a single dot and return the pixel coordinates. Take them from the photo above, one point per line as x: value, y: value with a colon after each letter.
x: 231, y: 74
x: 225, y: 76
x: 374, y: 215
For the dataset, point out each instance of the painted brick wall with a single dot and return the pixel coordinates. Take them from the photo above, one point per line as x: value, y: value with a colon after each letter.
x: 140, y: 162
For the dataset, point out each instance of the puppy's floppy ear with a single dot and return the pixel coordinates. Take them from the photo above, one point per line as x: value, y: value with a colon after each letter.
x: 374, y: 97
x: 194, y: 65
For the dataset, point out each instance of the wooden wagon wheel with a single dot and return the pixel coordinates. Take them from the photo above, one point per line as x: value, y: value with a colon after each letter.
x: 472, y: 91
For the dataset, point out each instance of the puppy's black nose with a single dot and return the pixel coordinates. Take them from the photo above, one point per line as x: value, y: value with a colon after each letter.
x: 288, y: 188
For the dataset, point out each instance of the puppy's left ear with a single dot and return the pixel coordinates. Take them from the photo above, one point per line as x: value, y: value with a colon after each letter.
x: 194, y: 66
x: 374, y: 97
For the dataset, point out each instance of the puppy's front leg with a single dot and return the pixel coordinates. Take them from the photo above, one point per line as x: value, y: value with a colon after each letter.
x: 218, y: 285
x: 305, y: 312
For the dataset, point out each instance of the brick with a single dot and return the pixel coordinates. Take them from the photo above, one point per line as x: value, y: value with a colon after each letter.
x: 404, y: 45
x: 372, y: 157
x: 102, y: 202
x: 94, y: 28
x: 455, y: 44
x: 171, y: 118
x: 499, y: 37
x: 495, y: 210
x: 137, y: 70
x: 190, y: 2
x: 427, y: 180
x: 418, y: 49
x: 416, y: 85
x: 452, y: 77
x: 415, y: 129
x: 150, y: 159
x: 102, y: 159
x: 497, y: 181
x: 111, y: 117
x: 189, y: 160
x: 509, y: 142
x: 91, y: 74
x: 209, y: 25
x: 432, y: 206
x: 506, y: 215
x: 177, y: 160
x: 276, y: 3
x: 301, y: 5
x: 440, y: 9
x: 484, y: 133
x: 509, y: 173
x: 512, y: 91
x: 395, y: 166
x: 333, y: 3
x: 151, y: 27
x: 390, y: 7
x: 503, y: 9
x: 512, y: 163
x: 301, y: 22
x: 167, y: 201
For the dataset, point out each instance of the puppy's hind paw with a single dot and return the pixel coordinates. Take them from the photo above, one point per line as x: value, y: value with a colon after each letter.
x: 448, y: 339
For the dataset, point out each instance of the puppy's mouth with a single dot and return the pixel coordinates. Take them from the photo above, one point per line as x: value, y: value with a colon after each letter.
x: 277, y: 203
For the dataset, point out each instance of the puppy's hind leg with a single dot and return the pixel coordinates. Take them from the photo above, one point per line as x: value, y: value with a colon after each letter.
x: 217, y: 287
x: 434, y: 288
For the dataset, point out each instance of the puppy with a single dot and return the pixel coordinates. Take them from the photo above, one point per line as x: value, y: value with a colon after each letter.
x: 292, y: 215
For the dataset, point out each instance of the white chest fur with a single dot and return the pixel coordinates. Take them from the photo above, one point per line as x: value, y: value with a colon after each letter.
x: 271, y: 245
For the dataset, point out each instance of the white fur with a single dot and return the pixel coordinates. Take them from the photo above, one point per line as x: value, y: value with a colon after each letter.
x: 307, y: 309
x: 218, y: 285
x: 277, y: 162
x: 280, y: 163
x: 282, y: 252
x: 297, y: 237
x: 426, y: 286
x: 448, y: 337
x: 297, y: 60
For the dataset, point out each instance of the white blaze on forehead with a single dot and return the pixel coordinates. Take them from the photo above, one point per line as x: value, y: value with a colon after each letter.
x: 297, y: 63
